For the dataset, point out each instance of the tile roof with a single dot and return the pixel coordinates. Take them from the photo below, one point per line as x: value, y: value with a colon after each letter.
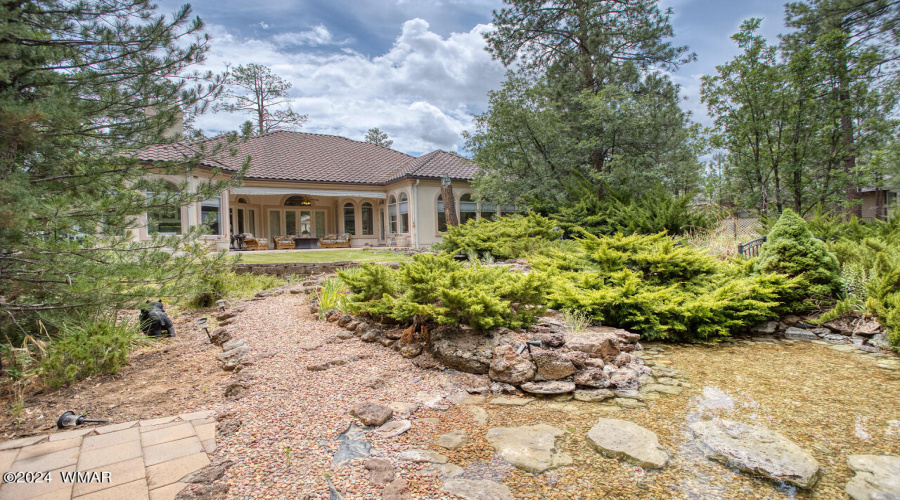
x: 300, y: 156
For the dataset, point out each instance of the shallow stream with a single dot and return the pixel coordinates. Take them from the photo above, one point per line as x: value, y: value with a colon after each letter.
x: 831, y: 403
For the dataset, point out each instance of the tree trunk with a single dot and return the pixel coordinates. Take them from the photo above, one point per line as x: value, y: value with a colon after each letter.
x: 449, y: 202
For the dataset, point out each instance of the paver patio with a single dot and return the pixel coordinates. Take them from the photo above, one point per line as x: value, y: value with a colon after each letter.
x: 141, y: 459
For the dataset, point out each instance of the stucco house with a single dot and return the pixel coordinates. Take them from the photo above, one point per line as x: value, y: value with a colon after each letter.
x: 312, y: 185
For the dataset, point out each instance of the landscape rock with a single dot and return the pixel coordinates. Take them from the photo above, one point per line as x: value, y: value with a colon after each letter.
x: 532, y: 448
x: 623, y: 359
x: 629, y: 441
x: 233, y: 344
x: 757, y: 450
x: 880, y: 340
x: 219, y: 336
x: 433, y: 400
x: 403, y: 410
x: 479, y: 415
x: 509, y: 401
x: 452, y: 440
x: 793, y: 332
x: 597, y: 342
x: 594, y: 395
x: 764, y: 328
x: 624, y: 378
x: 416, y: 455
x: 552, y: 387
x: 411, y: 350
x: 372, y: 414
x: 344, y: 320
x: 867, y: 326
x: 386, y: 341
x: 318, y: 367
x: 835, y: 338
x: 380, y: 471
x: 551, y: 364
x: 877, y: 477
x: 511, y: 368
x: 235, y: 354
x: 498, y: 388
x: 471, y: 489
x: 445, y: 470
x: 463, y: 349
x: 592, y: 377
x: 370, y: 335
x: 209, y: 474
x: 398, y: 489
x: 554, y: 339
x: 393, y: 429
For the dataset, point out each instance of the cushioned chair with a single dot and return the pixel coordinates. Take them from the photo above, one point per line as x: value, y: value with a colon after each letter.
x: 336, y: 241
x: 283, y: 242
x: 253, y: 243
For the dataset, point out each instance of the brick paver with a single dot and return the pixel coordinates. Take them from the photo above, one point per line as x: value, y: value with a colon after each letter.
x: 143, y: 459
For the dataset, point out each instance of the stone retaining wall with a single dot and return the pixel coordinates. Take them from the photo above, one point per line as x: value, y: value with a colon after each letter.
x: 293, y: 269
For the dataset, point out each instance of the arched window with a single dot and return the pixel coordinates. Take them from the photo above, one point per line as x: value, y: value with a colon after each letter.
x: 368, y: 219
x: 349, y: 218
x: 392, y: 215
x: 297, y: 201
x: 242, y: 200
x: 166, y: 218
x: 211, y: 214
x: 441, y: 216
x: 404, y: 213
x: 488, y: 211
x: 468, y: 209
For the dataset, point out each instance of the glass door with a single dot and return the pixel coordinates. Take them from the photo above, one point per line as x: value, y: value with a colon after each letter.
x: 290, y: 222
x: 274, y: 224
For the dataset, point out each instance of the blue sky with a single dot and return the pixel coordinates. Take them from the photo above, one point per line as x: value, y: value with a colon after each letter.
x: 417, y: 69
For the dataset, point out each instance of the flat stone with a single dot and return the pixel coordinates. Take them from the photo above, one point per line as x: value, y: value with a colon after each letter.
x: 479, y: 415
x: 842, y: 347
x: 594, y: 395
x: 348, y: 450
x: 393, y: 429
x: 21, y: 442
x: 471, y: 489
x: 629, y: 403
x: 668, y: 381
x: 532, y: 448
x: 877, y: 477
x: 445, y: 470
x: 509, y: 401
x: 416, y: 455
x: 665, y: 389
x: 835, y: 338
x: 380, y: 471
x: 156, y: 421
x: 48, y: 447
x: 171, y: 471
x: 109, y: 455
x: 452, y: 440
x: 174, y: 433
x: 793, y: 332
x: 403, y: 410
x: 171, y: 450
x: 371, y: 413
x: 629, y: 441
x: 554, y: 387
x: 433, y: 400
x: 757, y: 451
x: 119, y: 473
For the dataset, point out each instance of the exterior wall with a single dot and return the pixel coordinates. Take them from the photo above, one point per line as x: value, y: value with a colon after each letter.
x: 191, y: 214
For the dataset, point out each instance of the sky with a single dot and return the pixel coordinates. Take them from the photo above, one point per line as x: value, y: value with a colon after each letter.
x: 416, y: 69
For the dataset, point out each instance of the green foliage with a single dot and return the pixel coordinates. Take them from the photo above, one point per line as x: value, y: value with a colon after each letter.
x: 88, y: 346
x: 333, y: 295
x: 664, y: 291
x: 619, y: 211
x: 509, y: 237
x: 884, y: 292
x: 792, y: 250
x: 437, y: 288
x: 217, y: 283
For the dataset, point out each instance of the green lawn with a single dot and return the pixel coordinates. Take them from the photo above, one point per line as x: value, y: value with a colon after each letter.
x: 355, y: 255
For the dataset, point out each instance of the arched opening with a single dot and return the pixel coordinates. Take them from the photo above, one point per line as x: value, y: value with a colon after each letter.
x: 468, y: 208
x: 368, y: 219
x: 392, y: 215
x: 404, y: 213
x: 349, y: 218
x: 441, y: 216
x: 297, y: 201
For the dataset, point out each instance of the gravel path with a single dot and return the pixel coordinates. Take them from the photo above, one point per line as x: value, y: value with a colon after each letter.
x: 291, y: 408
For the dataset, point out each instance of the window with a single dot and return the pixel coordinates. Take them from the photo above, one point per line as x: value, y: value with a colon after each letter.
x: 392, y: 215
x: 210, y: 215
x: 242, y: 200
x: 297, y: 201
x: 507, y: 209
x: 468, y: 209
x: 404, y: 213
x: 441, y: 216
x: 164, y: 220
x: 488, y: 211
x: 349, y: 218
x: 368, y: 219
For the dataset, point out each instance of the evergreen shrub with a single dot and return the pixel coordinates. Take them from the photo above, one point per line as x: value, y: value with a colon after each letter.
x: 509, y: 237
x: 437, y: 288
x: 791, y: 249
x: 662, y: 290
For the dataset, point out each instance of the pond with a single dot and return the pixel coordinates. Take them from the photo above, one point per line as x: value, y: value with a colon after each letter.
x: 831, y: 403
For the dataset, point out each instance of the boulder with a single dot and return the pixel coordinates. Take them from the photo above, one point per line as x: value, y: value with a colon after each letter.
x: 880, y: 340
x: 498, y: 388
x: 877, y: 477
x: 592, y: 377
x: 792, y: 332
x: 552, y: 387
x: 555, y: 339
x: 843, y: 325
x: 403, y: 410
x: 764, y: 328
x: 511, y: 368
x: 532, y: 448
x: 594, y: 395
x: 867, y: 327
x: 552, y: 364
x: 452, y: 440
x: 624, y: 378
x: 471, y: 489
x: 628, y: 441
x: 371, y: 413
x: 757, y: 450
x: 219, y: 336
x: 344, y: 320
x: 598, y: 342
x: 464, y: 349
x: 411, y: 350
x: 623, y: 359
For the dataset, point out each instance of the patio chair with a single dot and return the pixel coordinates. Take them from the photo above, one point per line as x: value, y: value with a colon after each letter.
x: 336, y: 240
x: 253, y: 243
x: 284, y: 242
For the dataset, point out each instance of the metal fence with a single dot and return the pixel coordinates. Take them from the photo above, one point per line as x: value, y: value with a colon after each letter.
x: 739, y: 227
x: 751, y: 248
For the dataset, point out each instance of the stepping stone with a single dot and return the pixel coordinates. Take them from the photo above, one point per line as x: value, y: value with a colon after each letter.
x: 594, y: 395
x: 553, y: 387
x: 416, y: 455
x: 403, y: 410
x: 629, y: 441
x: 532, y: 448
x: 393, y: 429
x: 877, y: 477
x: 665, y: 389
x: 757, y: 451
x: 477, y: 490
x: 452, y: 440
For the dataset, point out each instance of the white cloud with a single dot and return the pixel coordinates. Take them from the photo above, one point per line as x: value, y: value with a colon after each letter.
x: 422, y: 91
x: 316, y: 36
x: 263, y: 25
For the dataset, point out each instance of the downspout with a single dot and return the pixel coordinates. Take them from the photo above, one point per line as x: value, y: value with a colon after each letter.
x: 416, y: 220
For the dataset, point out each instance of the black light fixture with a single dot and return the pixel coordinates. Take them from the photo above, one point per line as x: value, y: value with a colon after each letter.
x: 70, y: 419
x: 201, y: 323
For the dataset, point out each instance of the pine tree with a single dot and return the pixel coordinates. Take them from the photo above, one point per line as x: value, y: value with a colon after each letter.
x: 376, y: 136
x: 82, y: 85
x: 255, y: 90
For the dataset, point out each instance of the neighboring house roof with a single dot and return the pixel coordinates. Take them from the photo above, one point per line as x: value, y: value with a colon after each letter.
x: 300, y: 156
